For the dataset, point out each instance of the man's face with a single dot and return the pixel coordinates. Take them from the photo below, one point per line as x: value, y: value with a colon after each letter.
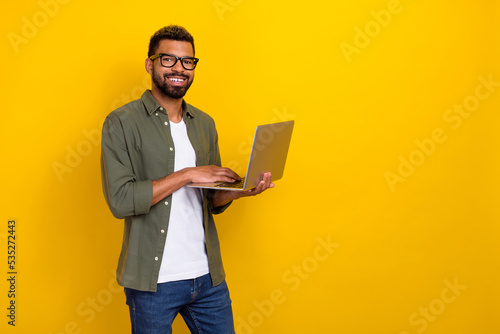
x: 174, y: 81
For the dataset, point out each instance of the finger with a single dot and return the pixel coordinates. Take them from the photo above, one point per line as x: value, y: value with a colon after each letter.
x: 226, y: 179
x: 251, y: 192
x: 267, y: 179
x: 266, y: 185
x: 254, y: 191
x: 223, y: 174
x: 260, y: 187
x: 230, y: 173
x: 269, y: 182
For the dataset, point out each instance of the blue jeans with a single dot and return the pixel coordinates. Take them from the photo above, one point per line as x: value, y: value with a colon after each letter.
x: 205, y: 309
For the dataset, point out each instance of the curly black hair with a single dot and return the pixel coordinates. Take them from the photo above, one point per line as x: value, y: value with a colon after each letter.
x: 173, y: 32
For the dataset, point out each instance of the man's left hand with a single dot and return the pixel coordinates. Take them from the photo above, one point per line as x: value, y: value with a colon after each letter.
x: 222, y: 197
x: 264, y: 184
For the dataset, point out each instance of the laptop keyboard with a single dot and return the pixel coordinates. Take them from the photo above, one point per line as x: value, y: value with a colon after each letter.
x: 235, y: 185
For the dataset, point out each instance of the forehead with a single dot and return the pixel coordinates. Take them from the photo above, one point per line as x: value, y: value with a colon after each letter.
x: 178, y: 48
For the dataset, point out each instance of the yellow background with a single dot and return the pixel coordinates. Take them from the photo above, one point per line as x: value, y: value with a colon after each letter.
x: 395, y: 247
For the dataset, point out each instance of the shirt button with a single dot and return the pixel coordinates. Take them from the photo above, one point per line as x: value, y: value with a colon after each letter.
x: 156, y: 258
x: 162, y: 231
x: 166, y: 203
x: 171, y: 149
x: 156, y: 114
x: 161, y: 108
x: 166, y: 123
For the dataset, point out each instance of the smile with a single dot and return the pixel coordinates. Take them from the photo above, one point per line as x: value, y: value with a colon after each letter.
x: 176, y: 80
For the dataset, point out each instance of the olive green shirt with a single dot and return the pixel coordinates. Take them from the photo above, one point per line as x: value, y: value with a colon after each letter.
x: 137, y: 148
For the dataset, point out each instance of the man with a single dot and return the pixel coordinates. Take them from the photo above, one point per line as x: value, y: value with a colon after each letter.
x: 152, y: 148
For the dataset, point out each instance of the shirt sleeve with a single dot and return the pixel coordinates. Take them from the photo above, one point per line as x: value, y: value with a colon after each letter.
x: 125, y: 195
x: 219, y: 209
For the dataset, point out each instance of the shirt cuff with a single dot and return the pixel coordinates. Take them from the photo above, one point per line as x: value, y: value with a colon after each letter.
x: 219, y: 209
x: 143, y: 193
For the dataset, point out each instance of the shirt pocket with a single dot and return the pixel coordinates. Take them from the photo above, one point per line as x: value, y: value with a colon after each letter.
x: 152, y: 158
x: 203, y: 158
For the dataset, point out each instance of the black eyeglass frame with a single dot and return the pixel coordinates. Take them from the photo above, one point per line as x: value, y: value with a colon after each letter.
x: 160, y: 55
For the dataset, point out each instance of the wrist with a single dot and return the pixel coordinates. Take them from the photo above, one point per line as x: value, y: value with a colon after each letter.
x: 233, y: 195
x: 186, y: 175
x: 222, y: 197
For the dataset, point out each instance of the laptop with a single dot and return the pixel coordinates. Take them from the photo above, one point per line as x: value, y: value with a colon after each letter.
x: 269, y: 152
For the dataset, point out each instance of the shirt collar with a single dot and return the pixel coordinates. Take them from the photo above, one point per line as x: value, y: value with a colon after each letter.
x: 153, y: 106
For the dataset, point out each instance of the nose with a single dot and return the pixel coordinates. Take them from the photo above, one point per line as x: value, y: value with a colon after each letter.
x: 178, y: 67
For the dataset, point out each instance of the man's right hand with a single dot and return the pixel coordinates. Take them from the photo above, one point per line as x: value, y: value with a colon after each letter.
x: 176, y: 180
x: 212, y: 173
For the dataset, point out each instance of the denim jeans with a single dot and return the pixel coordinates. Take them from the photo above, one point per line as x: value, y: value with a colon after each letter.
x: 205, y: 309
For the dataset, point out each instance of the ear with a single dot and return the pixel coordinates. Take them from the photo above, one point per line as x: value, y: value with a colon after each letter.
x: 149, y: 66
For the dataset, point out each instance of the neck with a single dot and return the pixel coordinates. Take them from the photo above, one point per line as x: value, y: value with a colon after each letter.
x: 172, y: 106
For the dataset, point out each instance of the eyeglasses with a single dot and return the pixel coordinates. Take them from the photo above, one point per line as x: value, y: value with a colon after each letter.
x: 169, y: 60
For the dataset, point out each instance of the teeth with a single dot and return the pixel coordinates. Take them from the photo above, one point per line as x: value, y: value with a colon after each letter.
x: 176, y: 80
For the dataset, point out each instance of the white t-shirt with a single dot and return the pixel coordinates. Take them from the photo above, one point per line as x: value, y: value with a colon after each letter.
x: 185, y: 254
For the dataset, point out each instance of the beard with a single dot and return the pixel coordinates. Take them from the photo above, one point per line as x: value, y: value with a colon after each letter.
x: 163, y: 84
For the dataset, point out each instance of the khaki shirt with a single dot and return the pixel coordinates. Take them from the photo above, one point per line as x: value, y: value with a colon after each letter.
x: 137, y: 148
